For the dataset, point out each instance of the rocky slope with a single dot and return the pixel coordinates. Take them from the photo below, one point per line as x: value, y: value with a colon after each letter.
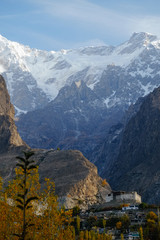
x: 106, y: 152
x: 137, y: 165
x: 76, y: 179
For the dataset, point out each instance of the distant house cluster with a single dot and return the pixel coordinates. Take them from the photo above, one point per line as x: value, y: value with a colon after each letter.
x: 123, y: 197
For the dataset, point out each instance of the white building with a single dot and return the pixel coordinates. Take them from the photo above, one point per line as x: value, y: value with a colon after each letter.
x: 123, y: 197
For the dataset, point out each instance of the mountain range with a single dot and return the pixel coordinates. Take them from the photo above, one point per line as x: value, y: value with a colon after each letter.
x: 137, y: 164
x: 97, y: 87
x: 76, y: 179
x: 82, y: 98
x: 35, y: 77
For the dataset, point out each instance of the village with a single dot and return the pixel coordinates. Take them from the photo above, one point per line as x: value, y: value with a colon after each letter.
x: 123, y: 216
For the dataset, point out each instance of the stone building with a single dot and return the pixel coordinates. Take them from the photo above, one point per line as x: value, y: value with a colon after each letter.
x: 121, y: 197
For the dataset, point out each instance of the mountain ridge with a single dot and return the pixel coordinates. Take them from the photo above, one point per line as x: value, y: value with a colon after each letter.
x: 39, y: 75
x: 137, y: 163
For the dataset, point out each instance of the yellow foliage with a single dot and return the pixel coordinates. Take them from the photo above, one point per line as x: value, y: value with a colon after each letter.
x: 104, y: 182
x: 81, y: 236
x: 119, y: 225
x: 47, y: 220
x: 151, y: 215
x: 122, y: 236
x: 151, y: 222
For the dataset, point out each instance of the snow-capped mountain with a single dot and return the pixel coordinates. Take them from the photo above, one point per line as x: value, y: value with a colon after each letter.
x: 34, y: 77
x: 77, y: 95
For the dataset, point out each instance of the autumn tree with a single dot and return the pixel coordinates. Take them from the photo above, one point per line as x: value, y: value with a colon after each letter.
x: 141, y: 233
x: 78, y: 221
x: 25, y: 218
x: 119, y: 225
x: 22, y: 217
x: 152, y: 216
x: 23, y: 199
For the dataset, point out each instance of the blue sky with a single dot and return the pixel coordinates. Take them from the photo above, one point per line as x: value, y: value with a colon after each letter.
x: 65, y: 24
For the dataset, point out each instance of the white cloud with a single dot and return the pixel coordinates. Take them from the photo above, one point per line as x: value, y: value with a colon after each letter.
x: 98, y: 17
x: 112, y: 25
x: 43, y: 41
x: 148, y: 24
x: 82, y: 10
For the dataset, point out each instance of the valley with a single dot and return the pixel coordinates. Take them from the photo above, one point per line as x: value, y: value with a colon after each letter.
x: 90, y: 99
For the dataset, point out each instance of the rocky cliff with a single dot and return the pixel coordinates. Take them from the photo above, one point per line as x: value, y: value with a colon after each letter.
x: 138, y: 166
x: 76, y: 179
x: 9, y: 136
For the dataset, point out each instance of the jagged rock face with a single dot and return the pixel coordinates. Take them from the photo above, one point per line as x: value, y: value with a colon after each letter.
x: 76, y: 119
x: 137, y: 165
x: 8, y: 132
x: 105, y: 154
x: 6, y: 108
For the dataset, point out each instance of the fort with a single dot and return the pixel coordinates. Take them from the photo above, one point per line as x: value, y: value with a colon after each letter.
x: 120, y: 197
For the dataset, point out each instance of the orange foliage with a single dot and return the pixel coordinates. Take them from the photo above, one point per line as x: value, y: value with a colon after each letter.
x: 104, y: 182
x: 119, y: 225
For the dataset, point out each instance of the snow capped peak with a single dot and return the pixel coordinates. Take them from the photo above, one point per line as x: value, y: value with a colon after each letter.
x: 49, y: 71
x: 63, y: 51
x: 3, y: 39
x: 136, y: 44
x: 142, y: 37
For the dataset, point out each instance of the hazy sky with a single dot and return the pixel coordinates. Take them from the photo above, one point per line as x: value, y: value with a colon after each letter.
x: 64, y: 24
